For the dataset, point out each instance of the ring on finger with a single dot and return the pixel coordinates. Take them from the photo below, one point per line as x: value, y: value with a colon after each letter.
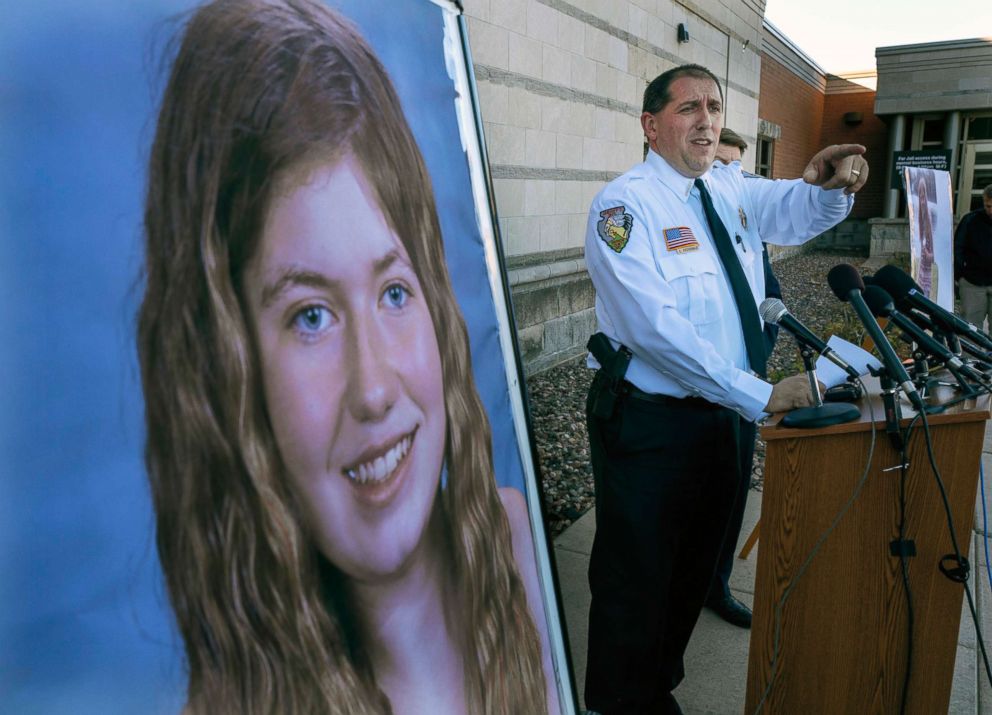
x: 855, y: 172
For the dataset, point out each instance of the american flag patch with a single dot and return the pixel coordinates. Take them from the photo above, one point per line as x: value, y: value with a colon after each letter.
x: 680, y: 239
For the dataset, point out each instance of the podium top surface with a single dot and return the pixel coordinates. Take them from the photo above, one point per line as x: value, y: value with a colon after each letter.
x: 941, y: 400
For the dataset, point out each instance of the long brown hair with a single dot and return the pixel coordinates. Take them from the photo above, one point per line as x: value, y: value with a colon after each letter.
x: 257, y: 89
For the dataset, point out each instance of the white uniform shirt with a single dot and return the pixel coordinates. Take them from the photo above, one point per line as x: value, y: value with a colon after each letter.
x: 660, y: 286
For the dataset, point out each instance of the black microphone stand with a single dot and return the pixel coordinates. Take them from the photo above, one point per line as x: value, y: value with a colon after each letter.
x: 921, y: 367
x: 891, y: 406
x: 925, y: 381
x: 921, y: 371
x: 820, y: 414
x: 968, y: 390
x: 953, y: 343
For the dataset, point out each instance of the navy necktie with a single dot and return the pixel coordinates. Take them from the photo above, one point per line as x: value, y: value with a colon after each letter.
x: 739, y: 286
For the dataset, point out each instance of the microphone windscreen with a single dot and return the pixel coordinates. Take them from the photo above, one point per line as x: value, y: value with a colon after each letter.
x: 879, y: 302
x: 895, y: 281
x: 771, y: 310
x: 844, y: 278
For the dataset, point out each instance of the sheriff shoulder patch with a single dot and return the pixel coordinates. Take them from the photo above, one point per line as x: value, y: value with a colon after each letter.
x: 680, y: 239
x: 614, y: 227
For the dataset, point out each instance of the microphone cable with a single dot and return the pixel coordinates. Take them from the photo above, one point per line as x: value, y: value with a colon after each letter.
x: 904, y: 548
x: 904, y: 553
x: 960, y: 572
x: 777, y: 638
x: 985, y: 524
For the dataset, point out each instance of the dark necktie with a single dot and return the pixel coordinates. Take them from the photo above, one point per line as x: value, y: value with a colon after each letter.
x: 746, y: 308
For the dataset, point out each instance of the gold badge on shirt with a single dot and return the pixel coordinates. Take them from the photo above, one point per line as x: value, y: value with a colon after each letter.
x: 743, y: 217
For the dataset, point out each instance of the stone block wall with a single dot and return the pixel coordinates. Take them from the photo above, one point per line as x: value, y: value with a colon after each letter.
x: 560, y: 85
x: 851, y: 236
x: 889, y: 238
x: 553, y: 305
x: 935, y: 77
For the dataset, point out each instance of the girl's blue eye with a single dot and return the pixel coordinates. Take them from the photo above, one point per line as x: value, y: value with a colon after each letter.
x: 312, y: 319
x: 396, y: 295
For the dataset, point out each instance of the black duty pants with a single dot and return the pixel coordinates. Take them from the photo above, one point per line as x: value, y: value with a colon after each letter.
x: 720, y: 586
x: 666, y: 477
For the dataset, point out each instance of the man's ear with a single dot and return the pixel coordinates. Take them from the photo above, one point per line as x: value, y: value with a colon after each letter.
x: 649, y: 123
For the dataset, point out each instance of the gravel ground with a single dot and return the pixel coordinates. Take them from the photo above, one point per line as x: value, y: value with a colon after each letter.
x: 557, y: 396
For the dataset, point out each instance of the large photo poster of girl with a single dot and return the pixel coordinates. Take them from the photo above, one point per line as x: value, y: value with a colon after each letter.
x: 931, y: 241
x: 316, y: 488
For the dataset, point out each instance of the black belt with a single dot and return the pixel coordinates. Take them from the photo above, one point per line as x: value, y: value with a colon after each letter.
x: 696, y: 403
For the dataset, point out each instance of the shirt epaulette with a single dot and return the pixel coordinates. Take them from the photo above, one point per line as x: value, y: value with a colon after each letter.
x: 619, y: 188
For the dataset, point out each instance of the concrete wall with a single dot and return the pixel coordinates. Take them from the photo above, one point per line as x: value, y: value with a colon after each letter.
x: 560, y: 85
x: 852, y: 236
x: 553, y: 308
x: 889, y: 239
x: 934, y: 77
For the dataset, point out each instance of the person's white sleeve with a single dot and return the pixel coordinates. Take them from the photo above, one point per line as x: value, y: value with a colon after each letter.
x: 790, y: 211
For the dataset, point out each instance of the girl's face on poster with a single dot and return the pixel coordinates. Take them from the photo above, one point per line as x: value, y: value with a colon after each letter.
x: 351, y: 369
x: 923, y: 212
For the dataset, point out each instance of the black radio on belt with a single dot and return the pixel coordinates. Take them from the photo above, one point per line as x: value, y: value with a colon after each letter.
x: 613, y: 365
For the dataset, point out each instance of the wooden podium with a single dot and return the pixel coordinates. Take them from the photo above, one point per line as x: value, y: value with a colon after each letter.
x: 843, y: 634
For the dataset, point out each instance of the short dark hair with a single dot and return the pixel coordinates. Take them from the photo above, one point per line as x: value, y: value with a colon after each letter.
x: 987, y: 193
x: 656, y: 95
x: 732, y: 138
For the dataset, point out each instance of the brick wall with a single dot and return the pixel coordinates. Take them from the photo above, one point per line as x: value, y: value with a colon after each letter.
x: 872, y: 132
x: 795, y: 106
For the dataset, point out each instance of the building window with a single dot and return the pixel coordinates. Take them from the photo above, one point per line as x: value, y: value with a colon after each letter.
x: 933, y: 133
x: 979, y: 128
x: 763, y: 157
x: 928, y: 132
x: 975, y: 164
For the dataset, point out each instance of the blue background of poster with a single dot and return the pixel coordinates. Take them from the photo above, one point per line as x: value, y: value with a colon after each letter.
x: 85, y: 624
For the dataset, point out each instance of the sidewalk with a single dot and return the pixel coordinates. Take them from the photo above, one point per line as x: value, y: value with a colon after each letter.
x: 716, y: 660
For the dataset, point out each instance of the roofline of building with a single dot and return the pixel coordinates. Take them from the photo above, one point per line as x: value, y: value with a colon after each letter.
x: 781, y: 37
x: 853, y: 74
x: 931, y: 46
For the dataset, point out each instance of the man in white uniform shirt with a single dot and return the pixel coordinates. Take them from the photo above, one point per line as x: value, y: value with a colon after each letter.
x: 665, y: 436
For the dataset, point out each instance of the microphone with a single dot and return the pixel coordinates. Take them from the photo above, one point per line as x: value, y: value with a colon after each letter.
x: 846, y: 283
x: 880, y: 303
x: 955, y: 343
x: 773, y: 311
x: 906, y: 292
x: 921, y: 319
